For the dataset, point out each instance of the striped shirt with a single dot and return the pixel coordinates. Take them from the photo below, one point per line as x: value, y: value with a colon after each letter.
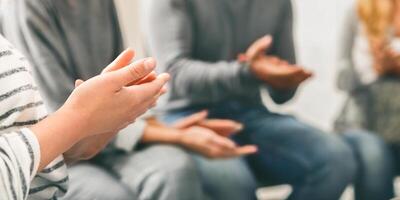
x: 20, y: 107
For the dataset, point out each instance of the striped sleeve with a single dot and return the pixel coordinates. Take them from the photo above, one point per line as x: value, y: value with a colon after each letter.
x: 21, y: 106
x: 19, y: 161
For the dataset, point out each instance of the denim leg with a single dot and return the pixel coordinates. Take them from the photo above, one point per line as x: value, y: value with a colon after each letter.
x: 376, y: 169
x: 222, y: 179
x: 318, y: 165
x: 227, y: 179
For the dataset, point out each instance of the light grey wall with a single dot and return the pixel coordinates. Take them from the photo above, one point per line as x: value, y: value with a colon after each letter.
x: 318, y: 24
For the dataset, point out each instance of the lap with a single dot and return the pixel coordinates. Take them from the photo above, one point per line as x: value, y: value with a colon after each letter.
x: 90, y: 182
x: 226, y: 178
x: 289, y: 149
x: 155, y: 167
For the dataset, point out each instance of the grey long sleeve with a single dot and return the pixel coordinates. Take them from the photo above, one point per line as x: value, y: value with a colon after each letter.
x: 348, y: 79
x: 178, y: 37
x: 171, y: 39
x: 284, y: 48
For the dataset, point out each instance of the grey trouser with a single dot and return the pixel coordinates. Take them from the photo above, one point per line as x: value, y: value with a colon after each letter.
x: 89, y: 182
x: 157, y: 172
x: 163, y: 172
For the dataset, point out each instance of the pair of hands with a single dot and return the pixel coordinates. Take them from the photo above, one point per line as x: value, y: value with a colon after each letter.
x: 210, y: 137
x: 387, y: 61
x: 109, y: 102
x: 272, y: 70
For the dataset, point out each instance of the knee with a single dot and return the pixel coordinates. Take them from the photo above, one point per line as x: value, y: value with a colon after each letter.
x: 370, y: 149
x: 178, y: 161
x: 177, y: 168
x: 336, y: 157
x: 85, y: 186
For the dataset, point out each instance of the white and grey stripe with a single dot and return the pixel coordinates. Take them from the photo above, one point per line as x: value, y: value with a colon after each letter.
x: 21, y: 106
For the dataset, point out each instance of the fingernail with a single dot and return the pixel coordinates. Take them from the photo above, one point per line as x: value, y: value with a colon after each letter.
x: 166, y: 76
x: 239, y: 127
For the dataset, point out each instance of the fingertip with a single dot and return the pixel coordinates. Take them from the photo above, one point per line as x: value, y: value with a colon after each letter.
x: 239, y: 127
x: 254, y: 148
x: 164, y: 76
x: 251, y: 149
x: 268, y: 38
x: 150, y: 64
x: 129, y: 51
x: 78, y: 82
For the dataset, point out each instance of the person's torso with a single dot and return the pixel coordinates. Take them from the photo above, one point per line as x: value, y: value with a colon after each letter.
x: 91, y: 34
x: 225, y: 28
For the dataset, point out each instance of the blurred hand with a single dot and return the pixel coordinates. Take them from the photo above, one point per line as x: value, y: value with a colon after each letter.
x: 142, y: 82
x: 210, y: 137
x: 212, y: 145
x: 386, y: 60
x: 221, y: 126
x: 88, y: 147
x: 272, y: 70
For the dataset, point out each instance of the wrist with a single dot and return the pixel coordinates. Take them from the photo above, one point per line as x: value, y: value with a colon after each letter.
x: 75, y: 122
x: 177, y: 136
x: 248, y: 73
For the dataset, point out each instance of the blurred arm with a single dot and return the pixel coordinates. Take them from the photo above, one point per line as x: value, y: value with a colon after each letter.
x: 171, y: 38
x: 348, y: 80
x: 284, y: 49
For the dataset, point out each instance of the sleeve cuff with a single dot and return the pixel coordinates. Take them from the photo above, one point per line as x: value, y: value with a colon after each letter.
x: 128, y: 138
x: 247, y: 76
x: 34, y: 149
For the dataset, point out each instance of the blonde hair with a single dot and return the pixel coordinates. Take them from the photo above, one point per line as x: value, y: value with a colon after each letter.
x: 376, y: 16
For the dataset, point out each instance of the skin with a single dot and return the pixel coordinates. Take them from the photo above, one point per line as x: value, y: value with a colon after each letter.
x: 208, y: 137
x: 196, y: 133
x: 272, y: 70
x: 91, y: 146
x: 94, y: 107
x: 386, y: 60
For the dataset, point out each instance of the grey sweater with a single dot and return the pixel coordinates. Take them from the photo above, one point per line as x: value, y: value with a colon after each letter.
x: 197, y: 41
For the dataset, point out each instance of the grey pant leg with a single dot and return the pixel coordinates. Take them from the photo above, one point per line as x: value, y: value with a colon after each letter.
x: 89, y: 182
x: 227, y: 179
x: 160, y: 172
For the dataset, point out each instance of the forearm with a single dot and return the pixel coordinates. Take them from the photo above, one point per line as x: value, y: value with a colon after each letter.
x: 56, y: 134
x: 161, y: 134
x: 212, y: 82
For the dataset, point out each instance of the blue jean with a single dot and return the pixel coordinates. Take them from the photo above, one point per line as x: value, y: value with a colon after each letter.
x: 318, y: 165
x: 376, y: 165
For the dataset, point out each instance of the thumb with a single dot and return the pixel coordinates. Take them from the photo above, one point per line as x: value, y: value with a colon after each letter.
x: 191, y: 120
x: 121, y: 61
x: 78, y: 83
x: 134, y: 72
x: 259, y: 47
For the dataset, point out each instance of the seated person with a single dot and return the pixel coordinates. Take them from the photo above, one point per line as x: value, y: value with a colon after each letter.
x: 370, y: 71
x: 198, y: 42
x: 66, y: 40
x: 32, y: 143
